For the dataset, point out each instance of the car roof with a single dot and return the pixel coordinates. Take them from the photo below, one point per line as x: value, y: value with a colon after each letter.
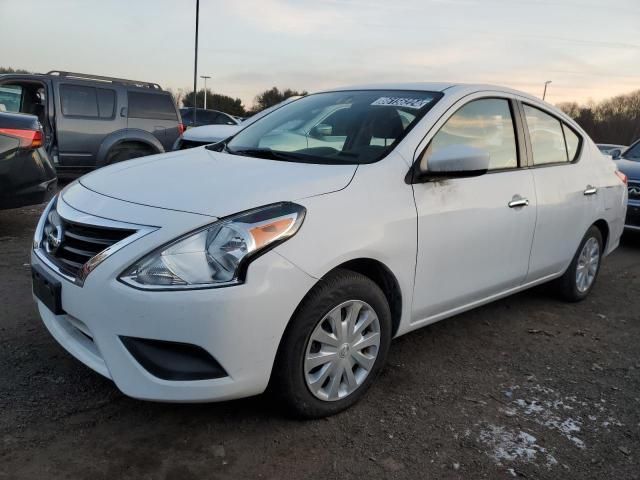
x: 435, y: 87
x: 89, y: 80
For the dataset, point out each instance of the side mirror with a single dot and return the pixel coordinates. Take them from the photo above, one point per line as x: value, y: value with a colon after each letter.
x: 454, y: 161
x: 322, y: 130
x: 615, y: 153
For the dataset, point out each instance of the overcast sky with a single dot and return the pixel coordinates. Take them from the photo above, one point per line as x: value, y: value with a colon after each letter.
x: 588, y: 48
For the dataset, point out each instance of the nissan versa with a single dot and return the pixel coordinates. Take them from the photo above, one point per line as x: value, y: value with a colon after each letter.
x: 291, y: 254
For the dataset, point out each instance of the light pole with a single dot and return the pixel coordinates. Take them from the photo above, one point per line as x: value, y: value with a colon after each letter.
x: 205, y: 89
x: 195, y: 67
x: 544, y: 94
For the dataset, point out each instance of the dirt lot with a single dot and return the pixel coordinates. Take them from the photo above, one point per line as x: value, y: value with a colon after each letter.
x: 527, y: 387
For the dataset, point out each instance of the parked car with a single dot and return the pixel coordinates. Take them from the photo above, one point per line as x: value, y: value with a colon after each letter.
x: 27, y: 177
x: 629, y: 164
x: 213, y: 272
x: 611, y: 149
x: 208, y: 134
x: 206, y: 117
x: 90, y: 121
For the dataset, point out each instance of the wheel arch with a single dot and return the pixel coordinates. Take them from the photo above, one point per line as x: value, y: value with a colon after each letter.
x: 603, y: 226
x: 381, y: 275
x: 123, y: 136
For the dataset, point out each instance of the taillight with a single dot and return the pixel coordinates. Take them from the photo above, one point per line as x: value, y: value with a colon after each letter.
x: 181, y: 128
x: 622, y: 176
x: 28, y: 138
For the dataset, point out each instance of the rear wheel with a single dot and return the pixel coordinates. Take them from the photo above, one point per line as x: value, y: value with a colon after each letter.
x: 580, y: 277
x: 334, y: 347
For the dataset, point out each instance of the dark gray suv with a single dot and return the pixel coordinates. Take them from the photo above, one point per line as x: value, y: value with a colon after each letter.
x: 90, y: 121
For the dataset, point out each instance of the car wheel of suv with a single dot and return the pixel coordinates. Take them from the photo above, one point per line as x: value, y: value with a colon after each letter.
x: 580, y: 277
x: 335, y: 346
x: 125, y: 152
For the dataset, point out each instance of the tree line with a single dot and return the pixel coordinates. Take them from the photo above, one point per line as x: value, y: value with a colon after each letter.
x: 234, y: 106
x: 614, y: 120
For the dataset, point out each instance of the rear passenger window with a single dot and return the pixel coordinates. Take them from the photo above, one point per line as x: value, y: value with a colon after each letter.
x: 151, y: 105
x: 573, y: 142
x: 485, y: 124
x: 106, y: 102
x: 78, y: 101
x: 547, y: 138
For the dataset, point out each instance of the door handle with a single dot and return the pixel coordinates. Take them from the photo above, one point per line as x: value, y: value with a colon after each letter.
x: 591, y: 190
x: 123, y: 112
x: 518, y: 201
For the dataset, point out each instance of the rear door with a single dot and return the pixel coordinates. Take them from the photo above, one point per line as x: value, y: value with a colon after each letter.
x: 86, y: 115
x: 154, y: 112
x: 566, y: 190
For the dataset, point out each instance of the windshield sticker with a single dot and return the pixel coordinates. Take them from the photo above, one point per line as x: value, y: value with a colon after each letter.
x: 416, y: 103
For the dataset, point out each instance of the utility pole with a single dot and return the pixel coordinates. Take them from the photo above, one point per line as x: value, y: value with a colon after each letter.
x: 205, y: 89
x: 544, y: 94
x: 195, y: 68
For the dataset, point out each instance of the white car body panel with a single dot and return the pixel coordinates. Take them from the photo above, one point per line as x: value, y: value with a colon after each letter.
x: 219, y: 184
x: 450, y: 245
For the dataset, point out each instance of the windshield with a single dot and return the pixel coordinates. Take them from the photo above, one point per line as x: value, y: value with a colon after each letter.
x: 633, y: 152
x: 335, y: 127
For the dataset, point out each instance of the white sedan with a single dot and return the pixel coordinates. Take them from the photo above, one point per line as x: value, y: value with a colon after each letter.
x: 211, y: 273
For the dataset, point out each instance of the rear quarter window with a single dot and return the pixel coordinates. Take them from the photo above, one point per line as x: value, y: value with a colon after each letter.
x: 151, y: 105
x: 573, y: 142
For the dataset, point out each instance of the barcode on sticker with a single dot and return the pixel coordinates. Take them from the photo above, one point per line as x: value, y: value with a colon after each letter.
x: 416, y: 103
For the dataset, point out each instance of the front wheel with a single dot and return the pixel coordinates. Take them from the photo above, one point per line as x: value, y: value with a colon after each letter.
x: 580, y: 277
x: 334, y: 347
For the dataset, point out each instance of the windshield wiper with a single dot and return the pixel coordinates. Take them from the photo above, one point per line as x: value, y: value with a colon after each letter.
x: 266, y: 153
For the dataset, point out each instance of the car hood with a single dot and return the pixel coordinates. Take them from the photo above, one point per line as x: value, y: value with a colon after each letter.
x: 630, y: 168
x: 211, y: 133
x: 211, y: 183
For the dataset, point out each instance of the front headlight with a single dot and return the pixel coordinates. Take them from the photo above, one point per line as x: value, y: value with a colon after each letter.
x: 217, y: 254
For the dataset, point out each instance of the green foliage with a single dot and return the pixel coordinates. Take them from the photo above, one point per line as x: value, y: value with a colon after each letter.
x: 273, y: 96
x: 215, y: 101
x: 615, y: 120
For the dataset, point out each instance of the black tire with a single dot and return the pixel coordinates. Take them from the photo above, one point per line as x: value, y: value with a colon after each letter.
x: 124, y: 152
x: 288, y: 379
x: 567, y: 284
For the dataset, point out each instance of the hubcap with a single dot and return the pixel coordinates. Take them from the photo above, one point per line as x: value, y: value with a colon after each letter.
x: 342, y: 350
x: 588, y: 262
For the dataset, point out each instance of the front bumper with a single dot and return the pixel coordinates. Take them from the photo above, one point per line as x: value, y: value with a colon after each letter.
x: 239, y: 326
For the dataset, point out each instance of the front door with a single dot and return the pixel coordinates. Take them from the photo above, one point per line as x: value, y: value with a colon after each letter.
x: 474, y: 234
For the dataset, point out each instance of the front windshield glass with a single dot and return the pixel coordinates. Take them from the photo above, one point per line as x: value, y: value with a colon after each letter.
x: 335, y: 127
x: 633, y: 153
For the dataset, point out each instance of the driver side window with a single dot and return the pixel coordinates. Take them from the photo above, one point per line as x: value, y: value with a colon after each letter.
x: 485, y: 124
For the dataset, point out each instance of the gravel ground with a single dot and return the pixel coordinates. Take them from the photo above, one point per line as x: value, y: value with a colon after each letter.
x: 526, y: 387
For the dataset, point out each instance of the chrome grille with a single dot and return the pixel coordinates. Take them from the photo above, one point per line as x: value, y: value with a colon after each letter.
x: 70, y: 245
